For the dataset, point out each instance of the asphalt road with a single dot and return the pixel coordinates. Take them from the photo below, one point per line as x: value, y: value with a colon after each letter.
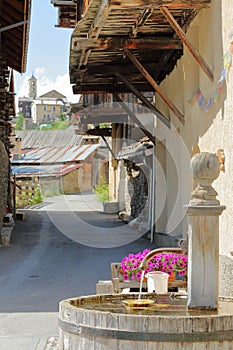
x: 44, y: 265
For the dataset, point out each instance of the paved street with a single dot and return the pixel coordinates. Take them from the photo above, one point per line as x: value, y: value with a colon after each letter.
x: 60, y: 250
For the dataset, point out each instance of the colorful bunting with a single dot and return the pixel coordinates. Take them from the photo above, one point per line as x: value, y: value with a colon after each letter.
x: 205, y: 103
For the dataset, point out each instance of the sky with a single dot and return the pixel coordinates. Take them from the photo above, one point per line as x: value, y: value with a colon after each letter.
x: 48, y: 54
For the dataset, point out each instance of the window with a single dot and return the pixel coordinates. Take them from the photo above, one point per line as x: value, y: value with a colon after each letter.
x: 44, y: 108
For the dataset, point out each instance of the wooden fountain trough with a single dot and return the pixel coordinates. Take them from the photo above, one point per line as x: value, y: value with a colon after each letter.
x: 102, y: 322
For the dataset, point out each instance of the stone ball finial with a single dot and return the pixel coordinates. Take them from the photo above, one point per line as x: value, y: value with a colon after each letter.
x: 205, y: 166
x: 205, y: 169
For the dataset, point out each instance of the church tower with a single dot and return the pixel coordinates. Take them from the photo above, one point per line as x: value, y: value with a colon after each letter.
x: 32, y: 87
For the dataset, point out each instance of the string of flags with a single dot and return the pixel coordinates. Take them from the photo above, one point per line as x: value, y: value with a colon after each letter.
x: 205, y: 103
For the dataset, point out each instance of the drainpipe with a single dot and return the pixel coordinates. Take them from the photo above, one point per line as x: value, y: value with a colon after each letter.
x: 152, y: 226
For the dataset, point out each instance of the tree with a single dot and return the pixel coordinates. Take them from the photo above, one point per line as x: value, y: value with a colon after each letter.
x: 20, y: 122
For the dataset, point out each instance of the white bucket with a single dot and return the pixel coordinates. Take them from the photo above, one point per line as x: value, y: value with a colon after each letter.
x: 157, y: 282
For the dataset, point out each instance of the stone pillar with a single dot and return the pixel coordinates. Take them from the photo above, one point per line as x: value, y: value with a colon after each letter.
x: 203, y: 214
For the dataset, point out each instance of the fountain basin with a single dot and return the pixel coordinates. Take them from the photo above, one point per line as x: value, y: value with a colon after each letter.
x: 102, y: 322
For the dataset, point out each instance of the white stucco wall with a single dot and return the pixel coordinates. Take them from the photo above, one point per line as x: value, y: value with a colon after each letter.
x: 210, y: 33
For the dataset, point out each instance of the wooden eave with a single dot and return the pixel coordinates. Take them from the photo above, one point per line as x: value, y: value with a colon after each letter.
x: 109, y: 27
x: 14, y: 41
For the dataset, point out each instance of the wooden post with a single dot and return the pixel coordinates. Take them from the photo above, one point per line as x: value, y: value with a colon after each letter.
x: 14, y: 196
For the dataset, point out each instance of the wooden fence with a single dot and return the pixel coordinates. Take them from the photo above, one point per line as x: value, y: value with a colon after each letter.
x: 24, y: 192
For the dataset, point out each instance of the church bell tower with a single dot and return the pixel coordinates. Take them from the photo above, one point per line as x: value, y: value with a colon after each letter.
x: 32, y: 87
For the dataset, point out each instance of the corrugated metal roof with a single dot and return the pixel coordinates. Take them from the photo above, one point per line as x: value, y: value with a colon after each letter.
x: 132, y: 150
x: 43, y: 170
x: 54, y: 155
x: 49, y: 138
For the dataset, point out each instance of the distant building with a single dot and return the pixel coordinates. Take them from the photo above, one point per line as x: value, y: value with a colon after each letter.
x: 48, y: 107
x: 25, y: 105
x: 60, y: 160
x: 44, y: 109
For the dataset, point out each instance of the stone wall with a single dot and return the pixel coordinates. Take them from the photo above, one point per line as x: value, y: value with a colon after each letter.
x: 3, y: 182
x: 138, y: 191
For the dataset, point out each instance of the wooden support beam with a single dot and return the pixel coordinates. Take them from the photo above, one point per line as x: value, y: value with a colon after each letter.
x: 134, y: 118
x: 153, y: 83
x: 119, y: 43
x: 179, y: 31
x: 176, y: 4
x: 141, y: 21
x: 144, y: 100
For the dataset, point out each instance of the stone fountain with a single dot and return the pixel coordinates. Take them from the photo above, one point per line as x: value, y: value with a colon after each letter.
x: 202, y: 321
x: 203, y: 234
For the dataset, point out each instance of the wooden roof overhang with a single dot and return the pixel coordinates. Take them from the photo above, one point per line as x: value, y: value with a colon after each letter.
x: 14, y: 32
x: 131, y: 46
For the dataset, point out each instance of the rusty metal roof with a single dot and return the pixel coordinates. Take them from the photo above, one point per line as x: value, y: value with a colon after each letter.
x: 109, y: 27
x: 52, y: 155
x: 43, y: 170
x: 15, y: 23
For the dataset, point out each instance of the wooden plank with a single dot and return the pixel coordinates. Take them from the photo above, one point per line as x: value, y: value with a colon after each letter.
x: 176, y: 4
x: 153, y: 83
x: 100, y: 88
x: 104, y: 69
x: 118, y: 43
x: 179, y: 31
x: 141, y: 21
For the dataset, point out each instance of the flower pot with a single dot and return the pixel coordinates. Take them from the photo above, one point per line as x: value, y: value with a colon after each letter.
x: 172, y: 277
x: 157, y: 282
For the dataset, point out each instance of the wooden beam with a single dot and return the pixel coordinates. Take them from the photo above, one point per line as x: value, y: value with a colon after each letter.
x: 109, y: 69
x: 96, y: 28
x: 141, y: 21
x: 134, y: 118
x: 176, y: 4
x: 119, y: 43
x: 179, y: 31
x: 102, y: 72
x: 101, y: 88
x: 153, y: 83
x: 144, y: 100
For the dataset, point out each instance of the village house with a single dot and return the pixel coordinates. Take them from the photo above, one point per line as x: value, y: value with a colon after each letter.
x: 44, y: 109
x: 182, y: 52
x: 15, y: 22
x: 59, y: 161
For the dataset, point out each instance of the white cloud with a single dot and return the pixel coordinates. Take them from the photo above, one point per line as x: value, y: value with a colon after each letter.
x: 45, y: 84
